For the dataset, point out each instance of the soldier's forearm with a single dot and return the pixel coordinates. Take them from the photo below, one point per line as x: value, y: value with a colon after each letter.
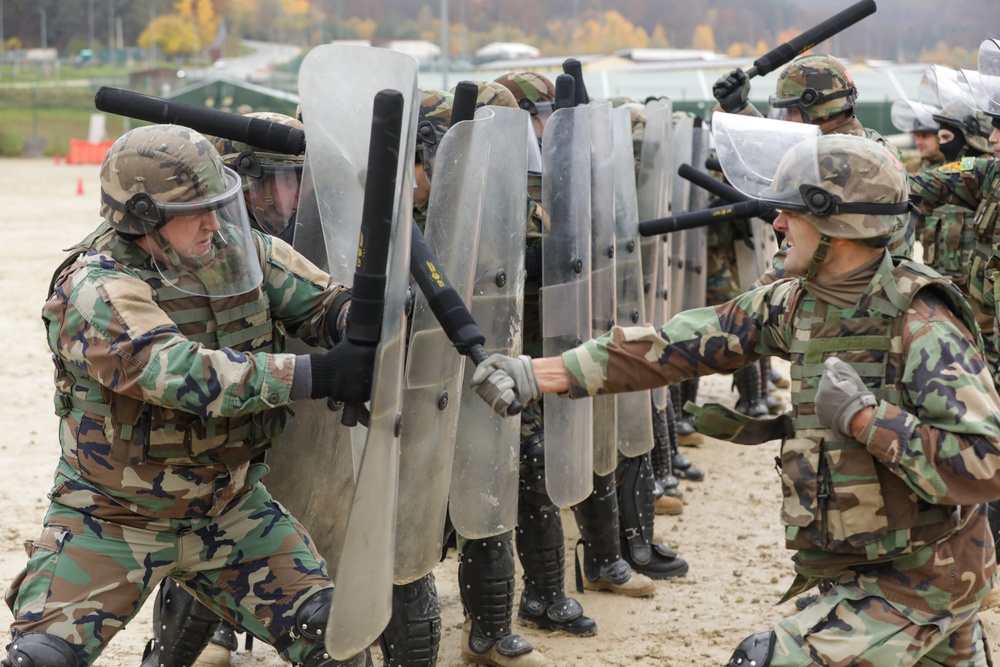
x: 551, y: 375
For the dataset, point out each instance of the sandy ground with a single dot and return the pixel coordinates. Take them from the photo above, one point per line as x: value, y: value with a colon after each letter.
x: 729, y: 531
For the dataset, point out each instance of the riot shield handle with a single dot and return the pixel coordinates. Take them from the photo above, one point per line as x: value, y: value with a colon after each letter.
x: 447, y: 306
x: 364, y: 326
x: 785, y: 53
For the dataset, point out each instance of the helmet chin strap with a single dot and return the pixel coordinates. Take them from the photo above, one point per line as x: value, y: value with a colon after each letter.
x: 818, y: 256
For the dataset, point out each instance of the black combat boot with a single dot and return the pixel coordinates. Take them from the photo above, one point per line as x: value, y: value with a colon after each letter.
x: 486, y: 584
x: 413, y: 635
x: 182, y: 627
x: 747, y: 383
x: 635, y: 502
x: 668, y: 491
x: 680, y: 463
x: 604, y: 569
x: 540, y: 548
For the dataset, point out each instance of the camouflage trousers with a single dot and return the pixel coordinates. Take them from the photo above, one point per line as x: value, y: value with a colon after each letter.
x: 849, y: 626
x: 95, y: 563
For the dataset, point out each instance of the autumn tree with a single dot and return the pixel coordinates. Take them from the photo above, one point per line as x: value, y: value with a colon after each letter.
x: 703, y: 38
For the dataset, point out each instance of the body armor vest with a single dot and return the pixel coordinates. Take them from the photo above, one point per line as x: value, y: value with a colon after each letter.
x: 139, y: 431
x: 838, y: 498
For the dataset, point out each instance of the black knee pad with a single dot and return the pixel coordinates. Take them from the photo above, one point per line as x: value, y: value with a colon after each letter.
x: 754, y: 651
x: 40, y: 649
x: 312, y: 616
x: 182, y: 628
x: 413, y: 634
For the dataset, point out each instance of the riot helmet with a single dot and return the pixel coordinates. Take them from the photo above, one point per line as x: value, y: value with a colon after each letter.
x: 271, y: 181
x: 912, y: 116
x: 846, y: 186
x: 534, y: 93
x: 168, y: 185
x: 433, y: 120
x: 818, y: 86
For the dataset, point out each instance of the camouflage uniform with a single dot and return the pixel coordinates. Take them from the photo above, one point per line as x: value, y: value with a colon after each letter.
x: 165, y: 399
x: 972, y: 185
x: 262, y: 174
x: 894, y: 519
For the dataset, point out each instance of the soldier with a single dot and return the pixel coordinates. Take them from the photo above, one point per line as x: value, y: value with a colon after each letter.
x: 882, y: 485
x: 271, y: 191
x: 815, y: 89
x: 970, y: 184
x: 917, y: 119
x: 161, y: 326
x: 947, y: 232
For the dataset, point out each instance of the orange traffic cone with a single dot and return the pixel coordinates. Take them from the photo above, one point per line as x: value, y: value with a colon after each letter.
x: 57, y: 158
x: 79, y: 186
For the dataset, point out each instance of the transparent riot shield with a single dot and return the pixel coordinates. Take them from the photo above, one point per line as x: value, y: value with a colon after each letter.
x: 483, y: 500
x: 634, y: 432
x: 602, y: 272
x: 314, y: 438
x: 338, y: 124
x: 565, y: 297
x: 653, y: 192
x: 434, y: 369
x: 696, y: 240
x: 682, y: 152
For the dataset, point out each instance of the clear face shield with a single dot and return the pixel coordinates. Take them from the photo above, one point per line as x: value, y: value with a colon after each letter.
x: 273, y: 183
x: 987, y: 95
x: 943, y: 86
x: 204, y: 247
x: 754, y: 151
x: 540, y: 112
x: 912, y: 116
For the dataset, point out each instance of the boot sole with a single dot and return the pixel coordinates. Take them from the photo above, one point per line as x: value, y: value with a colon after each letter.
x: 555, y: 627
x: 601, y: 585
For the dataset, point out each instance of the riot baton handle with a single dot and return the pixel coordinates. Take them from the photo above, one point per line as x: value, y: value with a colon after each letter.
x: 720, y: 189
x: 464, y: 105
x: 785, y: 53
x: 565, y: 92
x: 713, y: 164
x: 364, y: 326
x: 709, y: 216
x: 273, y: 137
x: 573, y: 67
x: 446, y: 304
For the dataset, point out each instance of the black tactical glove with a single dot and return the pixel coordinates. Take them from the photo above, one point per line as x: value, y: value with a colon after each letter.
x: 344, y: 373
x: 841, y: 394
x: 732, y: 91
